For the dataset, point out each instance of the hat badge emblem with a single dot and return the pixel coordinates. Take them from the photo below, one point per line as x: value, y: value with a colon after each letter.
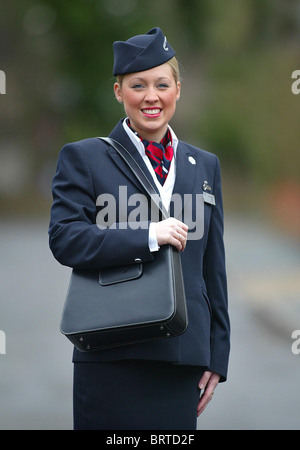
x: 165, y: 45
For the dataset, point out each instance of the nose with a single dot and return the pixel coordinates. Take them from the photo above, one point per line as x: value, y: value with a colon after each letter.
x: 151, y: 95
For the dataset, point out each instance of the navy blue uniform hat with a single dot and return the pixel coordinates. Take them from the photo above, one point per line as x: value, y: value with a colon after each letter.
x: 141, y: 52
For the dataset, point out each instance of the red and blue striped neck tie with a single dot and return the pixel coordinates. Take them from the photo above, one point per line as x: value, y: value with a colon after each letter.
x: 160, y: 155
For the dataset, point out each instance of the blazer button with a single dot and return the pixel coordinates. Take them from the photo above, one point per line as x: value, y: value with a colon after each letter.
x: 137, y: 260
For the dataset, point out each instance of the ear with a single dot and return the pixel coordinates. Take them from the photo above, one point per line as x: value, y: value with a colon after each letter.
x: 178, y: 91
x: 118, y: 92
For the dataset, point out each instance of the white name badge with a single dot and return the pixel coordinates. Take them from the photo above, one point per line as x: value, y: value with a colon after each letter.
x: 209, y: 198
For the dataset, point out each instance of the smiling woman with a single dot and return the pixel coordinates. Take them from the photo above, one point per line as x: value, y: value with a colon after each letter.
x: 152, y: 385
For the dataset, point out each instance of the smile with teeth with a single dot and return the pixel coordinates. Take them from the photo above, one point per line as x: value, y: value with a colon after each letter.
x: 152, y: 112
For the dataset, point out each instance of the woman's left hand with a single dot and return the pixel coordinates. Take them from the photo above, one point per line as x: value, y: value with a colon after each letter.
x: 208, y: 383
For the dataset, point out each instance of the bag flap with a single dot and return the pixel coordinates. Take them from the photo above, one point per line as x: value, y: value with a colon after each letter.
x: 119, y: 274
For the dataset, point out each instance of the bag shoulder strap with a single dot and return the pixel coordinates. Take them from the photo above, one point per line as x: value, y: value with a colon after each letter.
x: 138, y: 172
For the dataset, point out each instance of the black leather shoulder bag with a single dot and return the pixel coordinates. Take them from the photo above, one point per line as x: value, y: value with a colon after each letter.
x: 123, y: 305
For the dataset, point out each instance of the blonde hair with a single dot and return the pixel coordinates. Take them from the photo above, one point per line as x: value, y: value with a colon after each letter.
x: 173, y: 63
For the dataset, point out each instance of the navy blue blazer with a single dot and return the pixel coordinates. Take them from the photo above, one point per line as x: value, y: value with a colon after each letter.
x: 89, y: 168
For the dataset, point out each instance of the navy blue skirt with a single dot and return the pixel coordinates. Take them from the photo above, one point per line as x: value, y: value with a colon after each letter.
x: 135, y: 395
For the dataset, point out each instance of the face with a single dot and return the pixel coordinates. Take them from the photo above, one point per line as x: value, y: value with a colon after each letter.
x: 149, y: 99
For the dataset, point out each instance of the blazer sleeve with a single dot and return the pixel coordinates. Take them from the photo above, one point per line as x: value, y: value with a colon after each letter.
x: 216, y: 284
x: 74, y: 237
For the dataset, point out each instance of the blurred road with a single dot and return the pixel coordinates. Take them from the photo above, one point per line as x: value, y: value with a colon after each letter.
x: 262, y: 388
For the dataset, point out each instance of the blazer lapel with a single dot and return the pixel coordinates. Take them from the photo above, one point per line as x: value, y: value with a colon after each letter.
x: 185, y: 171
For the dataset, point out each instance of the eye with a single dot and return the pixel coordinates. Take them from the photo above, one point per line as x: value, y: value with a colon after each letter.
x: 163, y: 86
x: 137, y: 86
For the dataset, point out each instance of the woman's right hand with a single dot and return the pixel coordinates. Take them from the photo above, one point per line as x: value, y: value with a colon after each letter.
x: 172, y: 231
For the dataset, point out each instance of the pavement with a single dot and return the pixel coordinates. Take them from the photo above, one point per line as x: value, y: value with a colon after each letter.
x: 263, y: 266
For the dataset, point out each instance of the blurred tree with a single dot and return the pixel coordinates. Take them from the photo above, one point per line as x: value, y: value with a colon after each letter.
x: 237, y: 59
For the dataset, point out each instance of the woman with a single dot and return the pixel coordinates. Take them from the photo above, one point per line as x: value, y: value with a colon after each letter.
x: 166, y: 383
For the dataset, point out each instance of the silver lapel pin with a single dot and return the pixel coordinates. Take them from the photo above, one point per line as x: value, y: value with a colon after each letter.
x: 206, y: 187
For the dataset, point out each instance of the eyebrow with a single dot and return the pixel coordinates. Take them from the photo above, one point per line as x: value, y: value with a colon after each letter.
x: 143, y: 79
